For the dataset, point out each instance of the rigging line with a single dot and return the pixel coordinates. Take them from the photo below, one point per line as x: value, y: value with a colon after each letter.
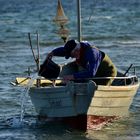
x: 30, y: 42
x: 92, y: 12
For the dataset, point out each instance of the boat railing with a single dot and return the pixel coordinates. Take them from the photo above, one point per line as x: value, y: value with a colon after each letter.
x: 117, y: 81
x: 122, y: 80
x: 99, y: 78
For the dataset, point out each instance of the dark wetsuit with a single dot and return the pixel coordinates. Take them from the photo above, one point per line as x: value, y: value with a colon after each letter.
x: 94, y: 63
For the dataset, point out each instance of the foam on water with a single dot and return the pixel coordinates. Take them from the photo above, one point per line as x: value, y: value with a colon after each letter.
x: 14, y: 122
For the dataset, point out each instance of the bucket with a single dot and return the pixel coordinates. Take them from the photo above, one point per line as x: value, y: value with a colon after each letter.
x: 49, y: 69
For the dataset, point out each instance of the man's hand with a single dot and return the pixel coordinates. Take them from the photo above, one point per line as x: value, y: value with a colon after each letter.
x: 50, y: 55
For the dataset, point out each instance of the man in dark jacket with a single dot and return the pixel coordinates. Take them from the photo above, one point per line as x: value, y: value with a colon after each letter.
x: 89, y: 62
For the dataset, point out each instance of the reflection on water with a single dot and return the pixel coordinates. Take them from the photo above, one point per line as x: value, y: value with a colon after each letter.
x: 123, y: 128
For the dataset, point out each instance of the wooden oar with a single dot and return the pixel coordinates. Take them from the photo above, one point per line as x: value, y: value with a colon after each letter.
x: 24, y: 81
x: 18, y: 83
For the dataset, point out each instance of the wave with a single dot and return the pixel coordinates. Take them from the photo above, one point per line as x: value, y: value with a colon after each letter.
x: 101, y: 17
x: 129, y: 42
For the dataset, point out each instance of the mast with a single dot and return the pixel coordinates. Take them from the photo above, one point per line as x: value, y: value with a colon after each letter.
x: 79, y: 19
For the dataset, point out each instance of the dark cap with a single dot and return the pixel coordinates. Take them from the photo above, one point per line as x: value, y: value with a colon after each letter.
x: 69, y: 46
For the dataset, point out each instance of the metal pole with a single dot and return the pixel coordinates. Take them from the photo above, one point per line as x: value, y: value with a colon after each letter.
x: 30, y: 41
x: 38, y: 52
x: 79, y: 19
x: 38, y: 81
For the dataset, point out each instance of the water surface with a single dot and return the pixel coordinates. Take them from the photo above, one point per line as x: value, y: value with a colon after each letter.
x: 113, y: 26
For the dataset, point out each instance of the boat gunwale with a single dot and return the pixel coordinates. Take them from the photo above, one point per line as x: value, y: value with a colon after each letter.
x: 23, y: 81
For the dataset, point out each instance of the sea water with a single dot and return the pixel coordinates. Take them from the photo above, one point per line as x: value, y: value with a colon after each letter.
x: 113, y: 26
x: 18, y: 122
x: 25, y: 94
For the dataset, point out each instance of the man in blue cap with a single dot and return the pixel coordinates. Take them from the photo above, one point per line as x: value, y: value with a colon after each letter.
x: 89, y: 62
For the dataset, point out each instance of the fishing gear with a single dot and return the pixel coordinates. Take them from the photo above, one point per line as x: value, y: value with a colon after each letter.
x: 36, y: 57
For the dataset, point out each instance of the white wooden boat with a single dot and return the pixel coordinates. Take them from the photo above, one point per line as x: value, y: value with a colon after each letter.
x: 76, y: 99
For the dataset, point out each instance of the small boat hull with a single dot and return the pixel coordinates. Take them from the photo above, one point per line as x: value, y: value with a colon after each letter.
x: 112, y: 100
x: 63, y: 101
x: 82, y: 105
x: 83, y: 98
